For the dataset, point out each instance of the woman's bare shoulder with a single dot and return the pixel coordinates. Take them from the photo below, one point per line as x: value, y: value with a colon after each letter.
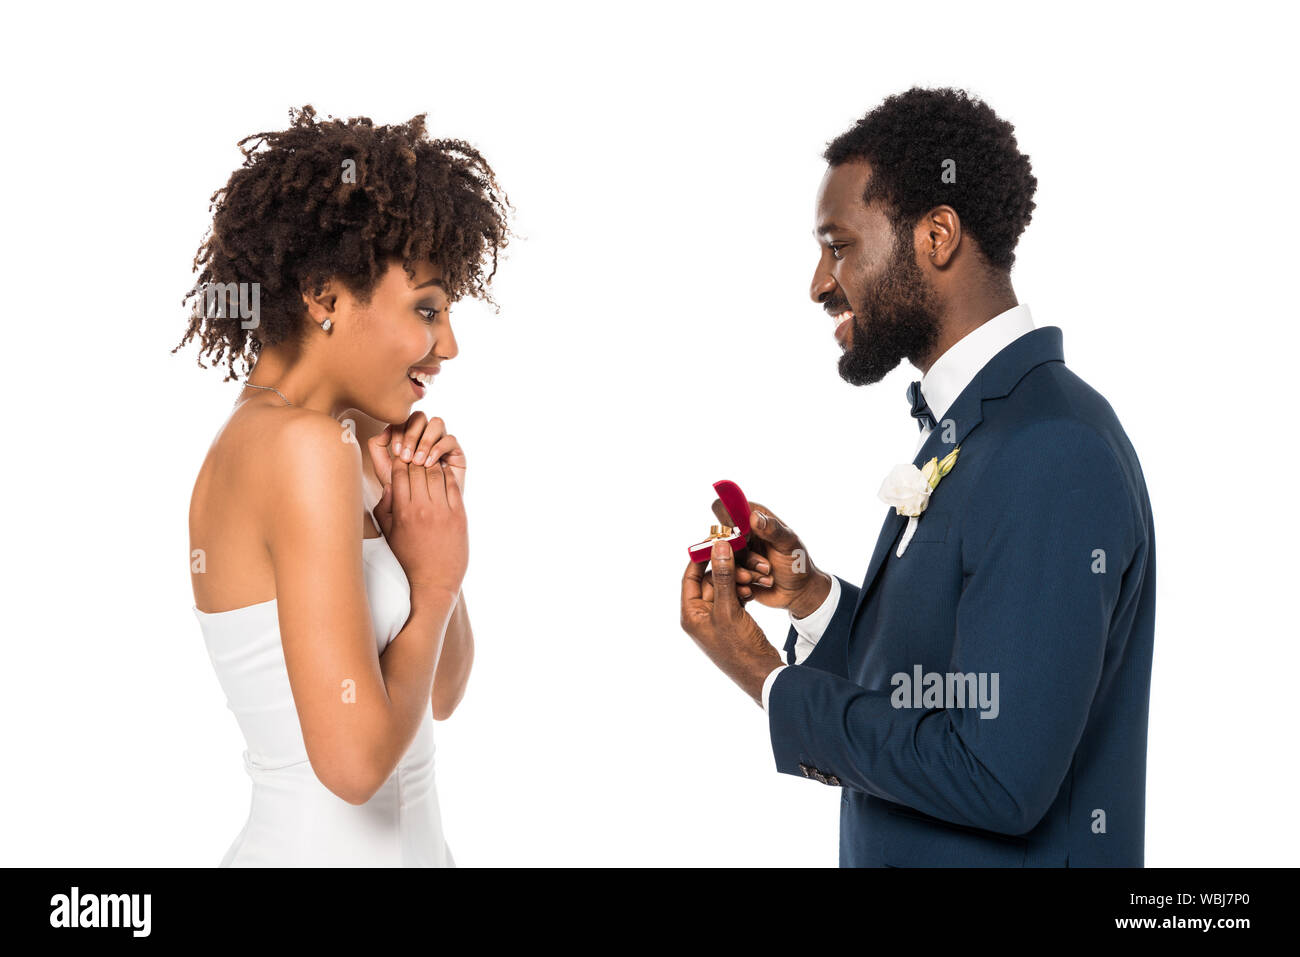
x: 261, y: 450
x: 264, y: 428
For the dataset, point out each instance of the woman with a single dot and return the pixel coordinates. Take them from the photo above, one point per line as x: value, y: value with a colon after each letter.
x: 327, y: 576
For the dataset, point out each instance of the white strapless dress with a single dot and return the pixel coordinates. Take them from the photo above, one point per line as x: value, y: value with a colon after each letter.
x: 294, y: 820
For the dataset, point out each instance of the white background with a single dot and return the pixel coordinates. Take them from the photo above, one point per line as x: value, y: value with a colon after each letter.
x: 656, y: 334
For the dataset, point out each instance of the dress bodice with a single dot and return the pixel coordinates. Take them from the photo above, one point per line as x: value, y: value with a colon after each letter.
x: 294, y: 819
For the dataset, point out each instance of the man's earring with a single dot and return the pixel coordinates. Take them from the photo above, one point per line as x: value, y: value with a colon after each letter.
x: 325, y: 326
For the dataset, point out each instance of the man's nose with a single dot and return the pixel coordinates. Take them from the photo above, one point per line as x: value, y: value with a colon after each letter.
x: 823, y: 286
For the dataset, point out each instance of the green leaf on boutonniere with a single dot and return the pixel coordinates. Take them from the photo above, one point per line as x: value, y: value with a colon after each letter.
x: 935, y: 470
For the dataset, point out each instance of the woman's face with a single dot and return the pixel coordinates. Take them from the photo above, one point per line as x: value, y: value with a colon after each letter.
x: 405, y: 330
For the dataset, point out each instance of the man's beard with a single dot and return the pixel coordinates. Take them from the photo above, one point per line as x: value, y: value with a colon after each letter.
x: 898, y: 319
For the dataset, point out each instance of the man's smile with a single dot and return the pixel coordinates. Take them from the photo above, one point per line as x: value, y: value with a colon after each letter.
x: 842, y: 320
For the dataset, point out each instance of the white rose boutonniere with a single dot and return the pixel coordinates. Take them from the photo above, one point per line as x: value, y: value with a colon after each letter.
x: 908, y: 489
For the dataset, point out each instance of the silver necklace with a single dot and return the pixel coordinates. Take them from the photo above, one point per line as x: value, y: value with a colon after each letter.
x: 249, y: 385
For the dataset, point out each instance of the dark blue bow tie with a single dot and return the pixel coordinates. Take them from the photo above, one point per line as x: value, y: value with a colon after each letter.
x: 920, y: 411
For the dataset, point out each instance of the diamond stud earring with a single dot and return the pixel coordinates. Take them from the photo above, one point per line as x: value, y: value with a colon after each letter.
x: 325, y: 326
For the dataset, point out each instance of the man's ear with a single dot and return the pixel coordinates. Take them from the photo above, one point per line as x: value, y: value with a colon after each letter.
x: 943, y: 234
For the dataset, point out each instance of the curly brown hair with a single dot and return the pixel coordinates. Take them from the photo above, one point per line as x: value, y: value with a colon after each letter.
x: 336, y: 199
x: 907, y: 138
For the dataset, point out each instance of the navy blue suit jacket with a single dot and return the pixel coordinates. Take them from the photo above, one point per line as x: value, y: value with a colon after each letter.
x: 1035, y: 561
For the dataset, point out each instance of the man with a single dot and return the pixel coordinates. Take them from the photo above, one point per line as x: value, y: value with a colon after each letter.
x: 981, y: 698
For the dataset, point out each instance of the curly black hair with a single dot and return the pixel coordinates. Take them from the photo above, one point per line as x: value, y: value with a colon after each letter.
x: 909, y: 139
x: 336, y: 199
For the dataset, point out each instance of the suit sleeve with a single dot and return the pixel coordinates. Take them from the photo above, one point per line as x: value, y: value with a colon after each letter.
x: 835, y: 637
x: 1033, y: 616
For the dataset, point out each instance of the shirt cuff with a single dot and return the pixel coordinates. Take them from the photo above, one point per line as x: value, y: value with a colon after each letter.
x: 811, y: 628
x: 767, y: 684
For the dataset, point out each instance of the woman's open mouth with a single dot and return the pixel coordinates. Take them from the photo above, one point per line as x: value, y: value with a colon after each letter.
x: 420, y: 380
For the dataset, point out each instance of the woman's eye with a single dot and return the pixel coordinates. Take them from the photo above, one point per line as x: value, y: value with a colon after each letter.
x: 433, y: 313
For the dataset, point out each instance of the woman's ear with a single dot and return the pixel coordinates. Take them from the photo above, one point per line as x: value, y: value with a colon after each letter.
x: 320, y: 300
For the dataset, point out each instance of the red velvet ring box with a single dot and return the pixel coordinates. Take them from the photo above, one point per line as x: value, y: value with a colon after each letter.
x: 737, y: 506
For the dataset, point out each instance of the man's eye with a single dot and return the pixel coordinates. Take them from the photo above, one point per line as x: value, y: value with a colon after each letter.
x: 835, y: 251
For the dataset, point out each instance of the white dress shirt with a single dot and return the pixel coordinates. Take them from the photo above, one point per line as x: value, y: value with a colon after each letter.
x: 947, y: 379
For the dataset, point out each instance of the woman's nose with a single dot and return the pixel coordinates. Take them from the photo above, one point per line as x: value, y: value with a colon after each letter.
x: 446, y: 344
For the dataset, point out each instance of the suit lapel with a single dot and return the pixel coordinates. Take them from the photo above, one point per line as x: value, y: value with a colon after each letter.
x: 998, y: 377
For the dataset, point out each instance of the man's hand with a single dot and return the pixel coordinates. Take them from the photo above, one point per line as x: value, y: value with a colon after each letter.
x: 789, y: 579
x: 712, y: 616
